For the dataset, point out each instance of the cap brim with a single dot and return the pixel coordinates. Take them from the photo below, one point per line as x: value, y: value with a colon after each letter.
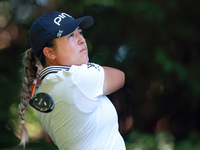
x: 83, y: 22
x: 86, y: 22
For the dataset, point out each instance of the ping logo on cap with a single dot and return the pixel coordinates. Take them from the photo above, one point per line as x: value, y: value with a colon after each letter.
x: 58, y: 19
x: 59, y: 34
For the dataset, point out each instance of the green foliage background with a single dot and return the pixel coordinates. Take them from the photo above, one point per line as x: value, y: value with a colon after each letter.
x: 157, y: 45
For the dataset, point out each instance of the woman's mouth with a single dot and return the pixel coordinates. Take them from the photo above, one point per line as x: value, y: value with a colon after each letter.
x: 84, y: 50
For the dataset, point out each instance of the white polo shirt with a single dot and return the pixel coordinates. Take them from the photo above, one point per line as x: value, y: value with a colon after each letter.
x: 83, y: 118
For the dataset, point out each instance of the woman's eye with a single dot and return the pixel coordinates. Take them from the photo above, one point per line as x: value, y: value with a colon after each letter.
x: 71, y: 35
x: 81, y: 33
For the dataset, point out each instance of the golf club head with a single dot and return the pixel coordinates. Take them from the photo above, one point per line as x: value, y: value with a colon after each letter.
x: 42, y: 102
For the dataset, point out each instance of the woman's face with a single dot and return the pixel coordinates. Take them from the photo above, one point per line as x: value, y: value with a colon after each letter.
x: 71, y: 49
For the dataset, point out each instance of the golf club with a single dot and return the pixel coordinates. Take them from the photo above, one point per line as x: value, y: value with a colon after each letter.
x: 42, y: 102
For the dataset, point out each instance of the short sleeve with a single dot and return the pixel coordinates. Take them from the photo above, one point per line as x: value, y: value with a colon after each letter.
x: 89, y: 78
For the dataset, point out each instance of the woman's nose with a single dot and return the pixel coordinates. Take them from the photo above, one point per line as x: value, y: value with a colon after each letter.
x: 80, y: 38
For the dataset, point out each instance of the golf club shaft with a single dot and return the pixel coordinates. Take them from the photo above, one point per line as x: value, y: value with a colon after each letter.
x: 33, y: 88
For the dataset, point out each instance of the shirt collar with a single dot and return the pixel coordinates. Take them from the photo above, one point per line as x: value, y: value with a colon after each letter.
x: 52, y: 69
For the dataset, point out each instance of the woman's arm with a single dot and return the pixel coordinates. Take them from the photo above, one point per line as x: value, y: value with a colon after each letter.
x: 114, y: 80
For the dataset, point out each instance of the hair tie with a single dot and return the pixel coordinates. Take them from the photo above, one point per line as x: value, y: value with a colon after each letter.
x: 22, y: 122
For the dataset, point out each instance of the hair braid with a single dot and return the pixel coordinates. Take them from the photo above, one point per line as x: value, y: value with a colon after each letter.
x: 30, y: 70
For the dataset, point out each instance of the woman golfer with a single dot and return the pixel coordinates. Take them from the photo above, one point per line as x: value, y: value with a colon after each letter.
x: 83, y: 117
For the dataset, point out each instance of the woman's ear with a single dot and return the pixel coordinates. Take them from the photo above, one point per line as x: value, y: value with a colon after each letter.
x: 49, y: 52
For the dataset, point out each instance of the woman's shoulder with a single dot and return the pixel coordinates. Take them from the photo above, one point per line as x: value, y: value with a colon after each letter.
x: 86, y: 67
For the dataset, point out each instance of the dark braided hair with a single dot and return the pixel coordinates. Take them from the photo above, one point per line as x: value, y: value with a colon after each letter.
x: 30, y: 70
